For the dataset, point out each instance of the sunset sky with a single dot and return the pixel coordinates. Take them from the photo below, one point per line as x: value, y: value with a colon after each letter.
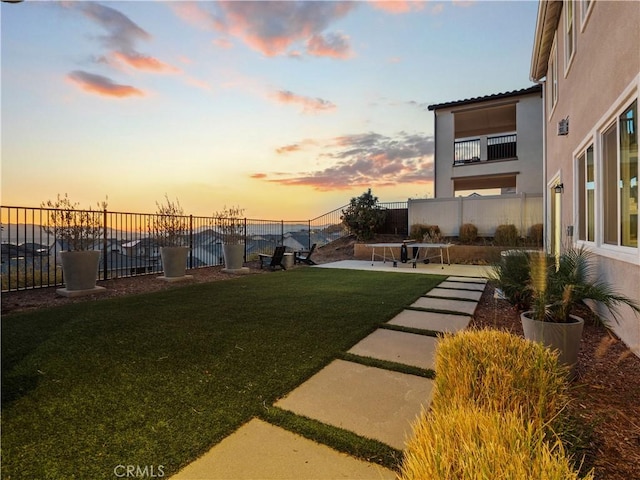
x: 287, y: 109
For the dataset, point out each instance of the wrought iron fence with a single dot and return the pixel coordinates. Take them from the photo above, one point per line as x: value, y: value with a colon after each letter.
x: 130, y: 246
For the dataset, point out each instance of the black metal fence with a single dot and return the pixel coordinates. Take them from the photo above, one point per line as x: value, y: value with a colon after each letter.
x: 499, y: 147
x: 130, y: 245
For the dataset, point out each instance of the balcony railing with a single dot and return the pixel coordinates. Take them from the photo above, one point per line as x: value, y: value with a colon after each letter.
x: 500, y: 147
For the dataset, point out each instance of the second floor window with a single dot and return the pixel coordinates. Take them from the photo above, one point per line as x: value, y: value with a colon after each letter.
x: 569, y: 34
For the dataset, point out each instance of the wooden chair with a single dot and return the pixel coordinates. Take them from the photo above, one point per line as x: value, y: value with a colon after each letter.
x: 304, y: 256
x: 275, y: 260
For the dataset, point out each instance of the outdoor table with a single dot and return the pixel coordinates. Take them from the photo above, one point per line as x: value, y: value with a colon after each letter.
x: 442, y: 247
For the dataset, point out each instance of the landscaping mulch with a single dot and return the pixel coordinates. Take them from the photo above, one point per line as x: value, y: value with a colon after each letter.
x: 605, y: 396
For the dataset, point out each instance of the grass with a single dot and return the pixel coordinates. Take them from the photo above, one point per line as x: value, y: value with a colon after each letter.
x: 157, y: 379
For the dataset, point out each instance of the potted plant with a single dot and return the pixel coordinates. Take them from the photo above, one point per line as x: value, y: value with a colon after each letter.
x: 231, y: 225
x: 169, y: 229
x: 553, y: 289
x: 79, y: 232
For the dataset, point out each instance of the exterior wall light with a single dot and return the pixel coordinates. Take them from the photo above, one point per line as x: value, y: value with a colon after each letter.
x: 563, y: 126
x: 559, y: 188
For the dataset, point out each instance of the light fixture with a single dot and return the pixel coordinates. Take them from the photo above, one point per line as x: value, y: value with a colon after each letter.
x: 559, y: 188
x: 563, y: 126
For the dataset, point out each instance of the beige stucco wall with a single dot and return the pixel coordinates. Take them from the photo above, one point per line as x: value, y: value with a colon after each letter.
x: 485, y: 212
x: 606, y: 64
x: 530, y: 146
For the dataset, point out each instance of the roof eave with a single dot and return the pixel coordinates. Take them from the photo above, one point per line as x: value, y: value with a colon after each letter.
x: 546, y: 25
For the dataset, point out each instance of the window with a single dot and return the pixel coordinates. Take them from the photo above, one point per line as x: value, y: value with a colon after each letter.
x: 586, y: 196
x: 620, y: 179
x: 569, y: 33
x: 629, y: 176
x: 552, y: 78
x: 585, y: 10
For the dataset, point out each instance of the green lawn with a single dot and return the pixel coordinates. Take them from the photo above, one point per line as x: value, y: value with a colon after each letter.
x: 157, y: 379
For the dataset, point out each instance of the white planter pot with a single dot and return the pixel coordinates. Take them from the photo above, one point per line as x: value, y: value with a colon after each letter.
x: 80, y: 269
x: 564, y: 337
x: 233, y: 256
x: 174, y: 261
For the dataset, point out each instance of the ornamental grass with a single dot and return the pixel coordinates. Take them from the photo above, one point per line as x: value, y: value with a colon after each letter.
x: 501, y: 372
x: 497, y: 404
x: 476, y: 443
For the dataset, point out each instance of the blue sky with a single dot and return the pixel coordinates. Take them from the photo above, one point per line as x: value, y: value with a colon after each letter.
x: 287, y: 109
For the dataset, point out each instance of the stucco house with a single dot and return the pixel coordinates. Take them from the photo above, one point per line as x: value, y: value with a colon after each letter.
x: 490, y: 146
x: 586, y: 56
x: 488, y: 143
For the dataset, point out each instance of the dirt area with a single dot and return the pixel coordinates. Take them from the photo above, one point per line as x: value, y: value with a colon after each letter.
x: 605, y: 394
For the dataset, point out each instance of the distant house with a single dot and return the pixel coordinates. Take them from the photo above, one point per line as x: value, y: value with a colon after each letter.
x: 490, y: 143
x: 586, y: 56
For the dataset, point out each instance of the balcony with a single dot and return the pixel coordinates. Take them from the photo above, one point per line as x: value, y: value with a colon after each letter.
x: 485, y: 149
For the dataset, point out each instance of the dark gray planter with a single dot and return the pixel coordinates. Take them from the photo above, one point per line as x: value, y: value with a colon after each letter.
x: 564, y: 337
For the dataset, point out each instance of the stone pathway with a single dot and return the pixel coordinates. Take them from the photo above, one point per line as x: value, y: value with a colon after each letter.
x: 373, y: 402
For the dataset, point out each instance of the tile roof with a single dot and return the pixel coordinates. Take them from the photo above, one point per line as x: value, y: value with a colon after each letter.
x: 495, y: 96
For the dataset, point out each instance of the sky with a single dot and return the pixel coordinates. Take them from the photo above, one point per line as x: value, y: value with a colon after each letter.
x: 285, y: 109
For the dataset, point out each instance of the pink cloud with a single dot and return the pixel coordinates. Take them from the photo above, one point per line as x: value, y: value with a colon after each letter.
x: 100, y: 85
x: 333, y: 45
x: 367, y: 159
x: 223, y: 43
x: 143, y: 62
x: 397, y: 6
x: 121, y: 37
x: 308, y: 104
x: 274, y: 27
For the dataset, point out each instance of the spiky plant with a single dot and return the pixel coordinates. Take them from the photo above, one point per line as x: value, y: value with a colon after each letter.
x: 558, y: 287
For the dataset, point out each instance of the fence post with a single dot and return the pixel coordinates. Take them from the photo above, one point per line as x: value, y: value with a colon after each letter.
x: 460, y: 212
x: 245, y: 239
x: 190, y: 241
x: 104, y: 244
x: 309, y: 231
x: 281, y: 232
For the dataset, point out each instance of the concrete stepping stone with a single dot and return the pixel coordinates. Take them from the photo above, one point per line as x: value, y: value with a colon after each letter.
x: 479, y: 287
x: 401, y: 347
x: 445, y: 292
x: 260, y: 450
x: 372, y: 402
x: 460, y: 306
x: 439, y: 322
x: 467, y: 279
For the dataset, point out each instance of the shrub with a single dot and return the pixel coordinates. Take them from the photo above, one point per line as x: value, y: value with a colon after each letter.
x: 470, y: 443
x: 79, y: 229
x: 468, y: 233
x: 363, y: 217
x: 501, y: 372
x: 169, y: 226
x: 511, y: 275
x: 506, y: 235
x: 421, y: 232
x: 497, y: 398
x: 230, y: 222
x: 536, y: 234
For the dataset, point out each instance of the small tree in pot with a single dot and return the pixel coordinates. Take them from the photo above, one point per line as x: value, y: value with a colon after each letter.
x: 169, y: 229
x: 79, y: 231
x: 231, y: 224
x: 554, y: 288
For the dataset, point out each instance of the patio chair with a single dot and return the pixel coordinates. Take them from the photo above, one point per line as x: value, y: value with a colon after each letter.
x: 304, y: 256
x: 275, y: 260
